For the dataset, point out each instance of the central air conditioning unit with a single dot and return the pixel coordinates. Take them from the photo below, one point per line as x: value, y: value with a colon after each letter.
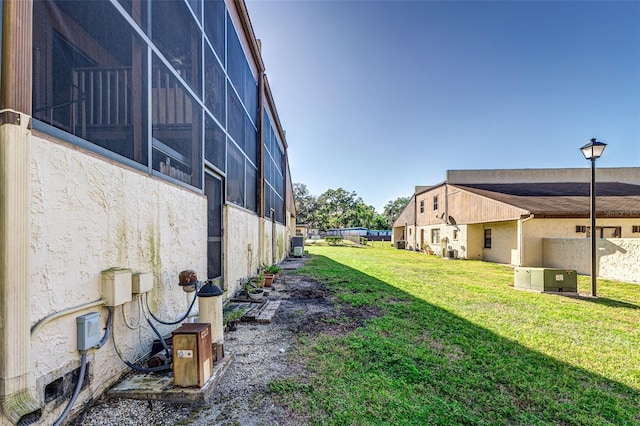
x: 546, y: 280
x: 297, y: 246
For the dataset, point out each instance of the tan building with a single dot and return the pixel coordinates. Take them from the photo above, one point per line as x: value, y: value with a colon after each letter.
x: 134, y: 135
x: 508, y: 216
x: 302, y: 231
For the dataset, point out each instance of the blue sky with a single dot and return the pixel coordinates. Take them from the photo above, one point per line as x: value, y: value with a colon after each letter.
x: 377, y: 97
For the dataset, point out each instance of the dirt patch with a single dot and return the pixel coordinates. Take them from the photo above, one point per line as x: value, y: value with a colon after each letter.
x: 262, y: 353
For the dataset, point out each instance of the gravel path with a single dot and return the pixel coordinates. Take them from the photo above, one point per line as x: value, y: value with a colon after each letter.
x: 262, y: 353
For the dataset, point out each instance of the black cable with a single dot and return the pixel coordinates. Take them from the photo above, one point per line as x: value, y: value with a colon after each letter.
x: 164, y: 344
x: 107, y: 332
x: 142, y: 369
x: 76, y: 392
x: 170, y: 322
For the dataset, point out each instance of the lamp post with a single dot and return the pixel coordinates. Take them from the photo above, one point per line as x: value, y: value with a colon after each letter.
x: 592, y: 151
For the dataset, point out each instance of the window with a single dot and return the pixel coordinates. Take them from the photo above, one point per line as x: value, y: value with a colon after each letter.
x: 235, y: 176
x: 421, y: 206
x: 635, y: 229
x: 487, y: 238
x: 581, y: 229
x: 89, y: 72
x: 214, y: 86
x: 215, y: 144
x: 455, y: 235
x: 273, y: 169
x: 240, y: 72
x: 606, y: 232
x: 214, y: 17
x: 435, y: 236
x: 435, y: 202
x: 177, y: 128
x: 176, y: 34
x: 92, y: 80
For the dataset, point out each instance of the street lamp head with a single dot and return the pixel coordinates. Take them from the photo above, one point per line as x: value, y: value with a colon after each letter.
x: 593, y: 149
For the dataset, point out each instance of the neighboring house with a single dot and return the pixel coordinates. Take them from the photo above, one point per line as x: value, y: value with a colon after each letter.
x: 302, y: 231
x: 133, y: 134
x: 347, y: 232
x: 510, y: 216
x: 354, y: 234
x: 379, y: 234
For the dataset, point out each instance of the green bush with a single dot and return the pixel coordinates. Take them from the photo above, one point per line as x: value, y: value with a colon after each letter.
x: 333, y: 240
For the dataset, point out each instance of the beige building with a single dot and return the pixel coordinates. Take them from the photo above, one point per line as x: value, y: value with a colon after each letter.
x: 509, y: 216
x: 135, y: 136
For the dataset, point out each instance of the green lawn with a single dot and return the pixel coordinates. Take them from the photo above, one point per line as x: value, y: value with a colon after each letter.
x: 454, y: 344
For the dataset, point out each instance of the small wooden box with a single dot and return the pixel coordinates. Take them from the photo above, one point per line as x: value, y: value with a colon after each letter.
x: 192, y: 361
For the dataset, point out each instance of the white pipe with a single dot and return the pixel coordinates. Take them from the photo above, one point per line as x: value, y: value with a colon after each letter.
x: 65, y: 312
x: 520, y: 238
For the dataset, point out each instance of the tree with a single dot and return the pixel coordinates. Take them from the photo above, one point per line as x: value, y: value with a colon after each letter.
x: 393, y: 209
x: 339, y: 208
x: 336, y: 208
x: 305, y: 204
x: 380, y: 222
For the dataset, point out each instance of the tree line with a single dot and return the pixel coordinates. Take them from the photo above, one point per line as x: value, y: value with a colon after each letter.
x: 339, y: 208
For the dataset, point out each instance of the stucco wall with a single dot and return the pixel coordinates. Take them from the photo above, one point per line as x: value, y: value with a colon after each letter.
x: 89, y: 215
x: 503, y: 241
x: 618, y: 258
x: 241, y: 247
x: 474, y: 241
x: 244, y: 250
x: 537, y: 229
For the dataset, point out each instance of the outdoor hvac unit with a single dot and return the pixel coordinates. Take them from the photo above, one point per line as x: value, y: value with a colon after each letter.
x: 546, y: 279
x: 297, y: 246
x: 192, y: 361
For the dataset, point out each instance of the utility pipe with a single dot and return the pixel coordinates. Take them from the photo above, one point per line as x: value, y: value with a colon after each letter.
x: 65, y: 312
x: 521, y: 239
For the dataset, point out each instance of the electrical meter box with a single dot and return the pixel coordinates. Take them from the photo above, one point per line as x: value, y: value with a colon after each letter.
x: 192, y: 355
x: 88, y: 327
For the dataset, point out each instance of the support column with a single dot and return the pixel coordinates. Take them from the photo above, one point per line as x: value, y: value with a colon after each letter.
x: 16, y: 383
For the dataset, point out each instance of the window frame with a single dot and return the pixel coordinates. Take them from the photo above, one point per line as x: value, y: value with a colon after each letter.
x: 487, y: 238
x: 435, y: 236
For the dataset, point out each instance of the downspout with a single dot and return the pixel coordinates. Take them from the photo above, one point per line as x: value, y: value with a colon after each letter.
x: 415, y: 220
x: 261, y: 201
x: 521, y: 222
x: 446, y: 205
x: 16, y: 381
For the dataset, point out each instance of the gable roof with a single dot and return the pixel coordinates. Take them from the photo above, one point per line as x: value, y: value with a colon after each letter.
x: 563, y: 199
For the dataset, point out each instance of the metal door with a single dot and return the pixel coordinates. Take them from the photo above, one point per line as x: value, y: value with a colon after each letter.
x: 213, y: 191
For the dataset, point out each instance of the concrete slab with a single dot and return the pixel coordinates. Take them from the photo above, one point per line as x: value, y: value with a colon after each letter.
x: 292, y: 263
x: 159, y: 387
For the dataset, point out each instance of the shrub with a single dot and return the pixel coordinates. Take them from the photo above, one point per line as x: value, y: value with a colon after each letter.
x: 333, y: 240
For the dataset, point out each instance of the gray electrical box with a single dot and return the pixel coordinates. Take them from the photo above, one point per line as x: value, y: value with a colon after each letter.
x: 88, y: 330
x: 546, y: 280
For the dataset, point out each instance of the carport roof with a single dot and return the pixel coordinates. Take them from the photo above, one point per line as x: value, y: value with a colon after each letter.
x: 569, y: 199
